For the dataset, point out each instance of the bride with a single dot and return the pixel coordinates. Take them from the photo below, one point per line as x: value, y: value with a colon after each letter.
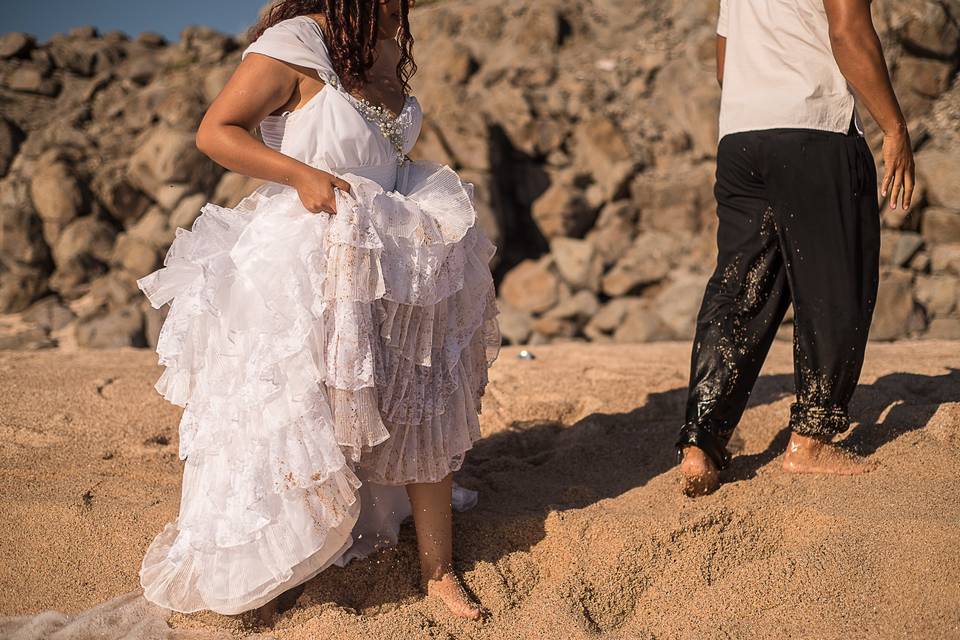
x: 329, y: 337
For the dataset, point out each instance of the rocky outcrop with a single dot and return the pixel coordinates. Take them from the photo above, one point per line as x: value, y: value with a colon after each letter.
x: 588, y: 129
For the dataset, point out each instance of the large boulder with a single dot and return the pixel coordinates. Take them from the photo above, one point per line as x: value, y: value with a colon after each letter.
x: 124, y: 202
x: 941, y: 225
x: 167, y: 159
x: 562, y: 210
x: 894, y: 316
x: 938, y: 170
x: 11, y: 137
x: 578, y: 262
x: 82, y: 251
x: 121, y: 328
x: 531, y: 286
x: 57, y: 193
x: 938, y: 294
x: 16, y: 44
x: 648, y: 260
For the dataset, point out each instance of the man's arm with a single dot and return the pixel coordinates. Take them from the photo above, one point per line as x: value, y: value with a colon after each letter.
x: 856, y: 48
x: 721, y: 54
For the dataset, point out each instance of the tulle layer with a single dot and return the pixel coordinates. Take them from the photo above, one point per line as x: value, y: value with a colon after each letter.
x: 303, y: 347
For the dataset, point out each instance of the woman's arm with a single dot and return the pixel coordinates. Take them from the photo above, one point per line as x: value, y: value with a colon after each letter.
x: 260, y: 86
x: 859, y: 55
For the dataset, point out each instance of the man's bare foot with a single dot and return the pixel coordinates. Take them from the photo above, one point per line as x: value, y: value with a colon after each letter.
x: 698, y: 474
x: 449, y: 589
x: 810, y: 455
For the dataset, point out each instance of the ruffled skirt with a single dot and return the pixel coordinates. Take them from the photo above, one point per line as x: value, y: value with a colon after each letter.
x: 311, y: 351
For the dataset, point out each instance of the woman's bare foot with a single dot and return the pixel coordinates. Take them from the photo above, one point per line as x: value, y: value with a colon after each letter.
x: 449, y: 589
x: 810, y: 455
x: 263, y: 615
x: 698, y: 474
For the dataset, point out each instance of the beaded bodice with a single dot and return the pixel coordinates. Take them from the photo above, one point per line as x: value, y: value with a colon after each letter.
x: 334, y: 129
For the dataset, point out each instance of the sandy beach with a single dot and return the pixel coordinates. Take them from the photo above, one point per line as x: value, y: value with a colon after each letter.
x: 580, y: 531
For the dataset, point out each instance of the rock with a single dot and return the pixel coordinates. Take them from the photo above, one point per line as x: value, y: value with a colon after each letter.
x: 648, y: 260
x: 19, y: 286
x: 606, y: 320
x: 110, y: 292
x: 450, y: 62
x: 154, y: 229
x: 928, y: 78
x: 57, y: 193
x: 186, y: 211
x: 895, y: 307
x: 926, y: 27
x: 121, y: 328
x: 552, y: 328
x: 531, y: 286
x: 562, y: 211
x: 945, y: 258
x: 938, y: 170
x: 171, y: 195
x: 944, y: 329
x: 183, y: 110
x: 668, y: 203
x: 642, y: 324
x: 897, y: 248
x: 215, y: 80
x: 16, y: 45
x: 82, y: 251
x: 152, y: 323
x: 509, y: 106
x: 29, y: 79
x: 49, y: 313
x: 137, y: 256
x: 232, y: 188
x: 937, y: 294
x: 614, y: 231
x: 679, y: 301
x: 941, y: 225
x: 124, y: 202
x: 151, y: 39
x: 580, y: 306
x: 600, y: 145
x: 21, y: 237
x: 578, y: 263
x: 168, y: 159
x: 10, y: 139
x: 515, y: 325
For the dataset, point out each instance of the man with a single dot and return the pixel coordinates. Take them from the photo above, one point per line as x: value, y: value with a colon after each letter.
x: 798, y: 223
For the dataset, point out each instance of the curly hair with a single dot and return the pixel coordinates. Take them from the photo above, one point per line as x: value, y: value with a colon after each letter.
x: 350, y: 31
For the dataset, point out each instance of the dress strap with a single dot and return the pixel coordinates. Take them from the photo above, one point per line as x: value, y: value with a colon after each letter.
x: 298, y: 41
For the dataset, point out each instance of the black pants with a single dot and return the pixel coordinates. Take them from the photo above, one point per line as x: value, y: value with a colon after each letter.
x: 798, y: 222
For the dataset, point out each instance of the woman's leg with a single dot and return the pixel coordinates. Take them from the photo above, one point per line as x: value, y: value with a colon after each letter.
x: 432, y: 518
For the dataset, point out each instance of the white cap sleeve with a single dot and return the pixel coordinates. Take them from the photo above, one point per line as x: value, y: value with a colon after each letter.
x: 298, y: 41
x: 723, y: 21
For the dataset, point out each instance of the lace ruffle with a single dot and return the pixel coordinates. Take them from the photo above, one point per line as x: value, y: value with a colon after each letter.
x: 301, y: 346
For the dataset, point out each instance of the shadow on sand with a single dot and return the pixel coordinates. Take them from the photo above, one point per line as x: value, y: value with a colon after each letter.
x: 529, y: 470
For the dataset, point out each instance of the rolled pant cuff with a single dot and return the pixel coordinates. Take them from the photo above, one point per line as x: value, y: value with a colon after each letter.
x: 696, y: 435
x: 813, y: 421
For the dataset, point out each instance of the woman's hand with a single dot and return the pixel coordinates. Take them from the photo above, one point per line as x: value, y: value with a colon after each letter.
x: 316, y: 190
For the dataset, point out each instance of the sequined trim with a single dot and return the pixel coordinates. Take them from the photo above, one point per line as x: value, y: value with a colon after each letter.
x: 391, y: 126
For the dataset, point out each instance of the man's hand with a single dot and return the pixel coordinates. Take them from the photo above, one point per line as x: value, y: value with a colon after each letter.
x: 898, y: 169
x: 856, y: 48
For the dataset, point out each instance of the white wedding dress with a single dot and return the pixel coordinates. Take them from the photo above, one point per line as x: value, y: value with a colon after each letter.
x: 322, y: 361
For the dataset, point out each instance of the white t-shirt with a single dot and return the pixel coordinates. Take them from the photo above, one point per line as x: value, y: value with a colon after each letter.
x: 779, y: 70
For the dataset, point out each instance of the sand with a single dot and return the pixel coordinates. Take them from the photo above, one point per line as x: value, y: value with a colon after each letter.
x: 580, y: 531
